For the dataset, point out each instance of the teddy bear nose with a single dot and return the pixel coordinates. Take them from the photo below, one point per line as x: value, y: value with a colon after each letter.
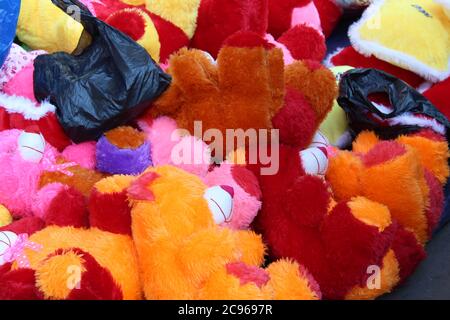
x: 228, y: 189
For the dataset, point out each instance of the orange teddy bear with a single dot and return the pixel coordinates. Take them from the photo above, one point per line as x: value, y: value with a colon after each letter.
x: 183, y: 254
x: 245, y: 88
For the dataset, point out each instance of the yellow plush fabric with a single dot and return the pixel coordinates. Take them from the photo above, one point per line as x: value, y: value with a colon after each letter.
x: 335, y: 124
x: 412, y: 34
x: 5, y: 216
x: 42, y: 25
x: 182, y: 13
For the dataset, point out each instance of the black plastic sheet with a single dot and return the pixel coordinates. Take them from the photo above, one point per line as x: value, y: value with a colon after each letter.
x: 108, y: 84
x: 357, y: 85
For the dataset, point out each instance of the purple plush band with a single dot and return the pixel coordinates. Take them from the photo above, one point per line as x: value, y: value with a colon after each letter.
x: 113, y: 160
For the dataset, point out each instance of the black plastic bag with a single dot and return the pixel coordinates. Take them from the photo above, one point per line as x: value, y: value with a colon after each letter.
x: 109, y: 84
x: 357, y: 85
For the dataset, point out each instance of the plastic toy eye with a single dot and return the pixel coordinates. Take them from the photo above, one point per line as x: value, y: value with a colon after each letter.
x: 31, y: 146
x: 220, y: 202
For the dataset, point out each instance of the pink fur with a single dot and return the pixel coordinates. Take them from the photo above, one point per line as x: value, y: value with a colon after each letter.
x: 19, y: 178
x: 82, y: 154
x: 245, y: 206
x: 44, y: 197
x: 22, y: 84
x: 165, y: 140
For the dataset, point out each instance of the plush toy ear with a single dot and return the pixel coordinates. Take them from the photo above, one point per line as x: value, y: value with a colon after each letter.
x: 316, y: 83
x: 18, y: 284
x: 217, y: 20
x: 108, y: 205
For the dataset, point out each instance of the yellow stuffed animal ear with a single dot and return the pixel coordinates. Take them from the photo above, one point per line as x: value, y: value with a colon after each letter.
x: 423, y: 47
x: 42, y: 25
x: 182, y: 13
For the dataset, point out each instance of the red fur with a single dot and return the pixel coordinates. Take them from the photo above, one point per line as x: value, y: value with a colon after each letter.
x: 171, y: 37
x: 110, y: 212
x: 336, y: 248
x: 296, y: 120
x: 383, y: 152
x: 68, y: 208
x: 218, y: 19
x: 243, y: 39
x: 49, y: 127
x: 248, y: 274
x: 105, y: 8
x: 129, y: 22
x: 438, y: 95
x: 436, y: 205
x: 351, y: 246
x: 408, y: 251
x: 350, y: 57
x: 18, y: 284
x: 247, y: 180
x: 28, y: 225
x: 430, y: 134
x: 96, y: 282
x: 330, y: 14
x: 280, y: 15
x: 304, y: 43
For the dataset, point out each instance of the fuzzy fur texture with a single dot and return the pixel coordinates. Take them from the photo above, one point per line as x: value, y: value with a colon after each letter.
x: 318, y: 239
x: 193, y: 252
x: 113, y: 252
x: 406, y: 190
x: 350, y: 57
x: 129, y: 159
x: 247, y: 80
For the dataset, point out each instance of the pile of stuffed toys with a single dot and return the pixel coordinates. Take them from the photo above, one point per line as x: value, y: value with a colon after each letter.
x: 119, y: 218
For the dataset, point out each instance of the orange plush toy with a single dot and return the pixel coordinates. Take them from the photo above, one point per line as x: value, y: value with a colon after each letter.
x: 417, y: 169
x: 183, y: 254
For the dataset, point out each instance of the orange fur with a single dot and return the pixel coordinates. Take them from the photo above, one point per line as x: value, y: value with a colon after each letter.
x: 244, y: 90
x: 82, y: 179
x: 125, y: 137
x: 112, y: 251
x: 398, y: 182
x: 183, y: 254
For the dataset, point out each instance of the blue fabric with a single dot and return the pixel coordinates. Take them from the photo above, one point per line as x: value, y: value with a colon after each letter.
x: 9, y: 13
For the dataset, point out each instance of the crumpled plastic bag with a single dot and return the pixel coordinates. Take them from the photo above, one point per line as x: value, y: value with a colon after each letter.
x: 110, y: 83
x: 409, y: 111
x: 9, y: 13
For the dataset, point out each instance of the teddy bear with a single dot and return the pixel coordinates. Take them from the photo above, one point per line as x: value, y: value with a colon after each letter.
x: 340, y: 238
x: 114, y: 256
x: 95, y: 261
x: 244, y: 89
x: 18, y: 105
x: 37, y: 178
x: 201, y: 259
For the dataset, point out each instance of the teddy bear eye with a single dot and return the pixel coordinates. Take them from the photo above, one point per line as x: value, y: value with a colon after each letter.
x: 220, y: 203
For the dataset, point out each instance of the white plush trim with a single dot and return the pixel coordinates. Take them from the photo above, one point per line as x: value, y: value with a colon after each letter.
x: 327, y: 62
x: 398, y: 58
x: 411, y: 119
x: 25, y: 107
